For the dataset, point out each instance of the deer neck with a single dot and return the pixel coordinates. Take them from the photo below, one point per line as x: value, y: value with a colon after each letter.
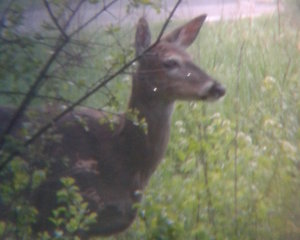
x: 157, y: 114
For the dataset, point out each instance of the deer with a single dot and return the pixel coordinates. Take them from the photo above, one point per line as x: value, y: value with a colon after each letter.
x: 113, y: 165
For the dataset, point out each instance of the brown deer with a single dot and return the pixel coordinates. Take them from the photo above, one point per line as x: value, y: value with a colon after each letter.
x: 112, y: 166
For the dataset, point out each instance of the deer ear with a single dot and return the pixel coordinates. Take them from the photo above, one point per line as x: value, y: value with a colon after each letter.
x: 142, y: 37
x: 185, y: 35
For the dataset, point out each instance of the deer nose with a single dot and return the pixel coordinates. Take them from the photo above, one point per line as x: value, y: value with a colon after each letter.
x: 217, y: 90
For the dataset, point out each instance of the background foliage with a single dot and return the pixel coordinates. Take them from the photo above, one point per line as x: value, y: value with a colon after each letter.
x: 232, y: 167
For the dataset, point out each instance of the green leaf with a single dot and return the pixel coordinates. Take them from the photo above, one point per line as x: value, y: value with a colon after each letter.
x: 62, y: 196
x: 38, y: 177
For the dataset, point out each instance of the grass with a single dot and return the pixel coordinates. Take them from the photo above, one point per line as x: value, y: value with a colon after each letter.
x: 257, y: 127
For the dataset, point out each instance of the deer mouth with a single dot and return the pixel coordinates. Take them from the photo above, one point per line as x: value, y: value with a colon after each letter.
x: 214, y: 92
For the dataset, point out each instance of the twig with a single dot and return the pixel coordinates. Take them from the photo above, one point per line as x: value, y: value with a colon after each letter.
x: 58, y: 99
x: 31, y: 93
x: 73, y: 14
x: 167, y: 22
x: 93, y: 18
x: 54, y: 19
x: 2, y: 18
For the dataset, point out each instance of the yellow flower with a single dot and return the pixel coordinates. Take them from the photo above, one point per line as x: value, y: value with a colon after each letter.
x: 268, y: 83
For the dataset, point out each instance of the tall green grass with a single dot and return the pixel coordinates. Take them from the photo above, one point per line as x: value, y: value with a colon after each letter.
x: 231, y: 171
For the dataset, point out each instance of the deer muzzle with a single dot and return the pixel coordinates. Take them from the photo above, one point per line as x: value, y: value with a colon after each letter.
x: 213, y: 91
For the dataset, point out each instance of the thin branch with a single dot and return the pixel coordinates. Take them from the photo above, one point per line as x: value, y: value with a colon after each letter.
x: 2, y: 18
x: 167, y: 22
x: 54, y: 19
x: 93, y: 18
x: 47, y: 126
x: 24, y: 104
x: 73, y: 14
x: 58, y: 99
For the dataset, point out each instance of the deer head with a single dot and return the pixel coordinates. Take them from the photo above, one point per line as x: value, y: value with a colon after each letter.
x: 167, y: 72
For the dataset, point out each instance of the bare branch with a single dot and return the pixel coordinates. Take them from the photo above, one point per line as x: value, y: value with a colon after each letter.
x: 67, y: 24
x: 24, y: 104
x: 93, y: 18
x: 167, y: 22
x: 54, y: 19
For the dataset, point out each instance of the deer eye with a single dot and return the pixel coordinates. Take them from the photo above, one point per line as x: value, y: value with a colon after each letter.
x: 170, y: 64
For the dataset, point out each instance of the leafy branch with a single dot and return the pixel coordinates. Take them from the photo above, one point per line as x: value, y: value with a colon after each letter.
x: 42, y: 75
x: 43, y: 72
